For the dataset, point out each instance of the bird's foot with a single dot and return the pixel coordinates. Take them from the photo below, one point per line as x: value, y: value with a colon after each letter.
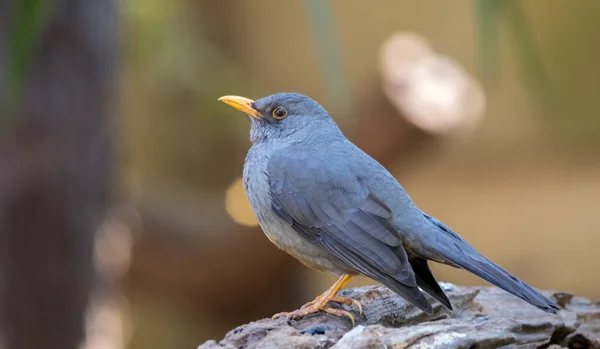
x: 320, y: 303
x: 341, y: 300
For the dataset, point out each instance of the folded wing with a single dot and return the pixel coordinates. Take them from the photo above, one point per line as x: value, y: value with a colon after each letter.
x: 331, y: 207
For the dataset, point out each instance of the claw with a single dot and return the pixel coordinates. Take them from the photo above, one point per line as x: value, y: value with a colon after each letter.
x: 278, y: 315
x: 320, y: 303
x: 358, y: 305
x: 340, y: 312
x: 348, y: 301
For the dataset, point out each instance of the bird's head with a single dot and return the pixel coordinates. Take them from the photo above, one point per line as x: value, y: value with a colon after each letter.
x: 283, y: 116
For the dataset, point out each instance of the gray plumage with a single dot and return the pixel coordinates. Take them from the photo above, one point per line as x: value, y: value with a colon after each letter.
x: 326, y: 202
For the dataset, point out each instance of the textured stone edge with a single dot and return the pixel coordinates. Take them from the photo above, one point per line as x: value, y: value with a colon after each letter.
x: 484, y: 317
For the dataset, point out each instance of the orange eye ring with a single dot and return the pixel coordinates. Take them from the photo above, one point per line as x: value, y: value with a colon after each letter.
x: 279, y: 113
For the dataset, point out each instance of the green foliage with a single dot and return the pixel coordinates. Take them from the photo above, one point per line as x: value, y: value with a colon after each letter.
x: 529, y: 59
x: 29, y: 20
x: 325, y: 36
x: 552, y: 44
x: 487, y: 23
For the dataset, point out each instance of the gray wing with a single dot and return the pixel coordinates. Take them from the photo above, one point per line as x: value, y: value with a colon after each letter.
x: 330, y: 206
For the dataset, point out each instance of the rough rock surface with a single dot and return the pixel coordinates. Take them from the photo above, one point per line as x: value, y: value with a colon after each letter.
x: 483, y: 317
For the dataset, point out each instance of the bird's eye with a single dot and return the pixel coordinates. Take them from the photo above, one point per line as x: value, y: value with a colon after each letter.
x: 279, y: 113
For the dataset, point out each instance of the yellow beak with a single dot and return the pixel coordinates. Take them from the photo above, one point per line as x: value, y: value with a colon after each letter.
x: 242, y: 104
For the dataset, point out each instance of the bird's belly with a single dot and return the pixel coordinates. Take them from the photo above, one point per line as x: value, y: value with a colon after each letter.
x: 287, y: 239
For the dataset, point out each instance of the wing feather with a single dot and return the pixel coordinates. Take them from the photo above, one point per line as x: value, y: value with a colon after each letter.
x: 329, y: 206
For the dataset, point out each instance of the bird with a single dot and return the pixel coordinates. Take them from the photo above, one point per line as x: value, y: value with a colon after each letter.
x: 327, y: 203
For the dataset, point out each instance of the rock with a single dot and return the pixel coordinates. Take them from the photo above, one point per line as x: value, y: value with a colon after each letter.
x: 483, y: 317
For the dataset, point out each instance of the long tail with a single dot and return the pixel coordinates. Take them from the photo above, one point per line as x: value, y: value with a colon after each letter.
x: 457, y: 252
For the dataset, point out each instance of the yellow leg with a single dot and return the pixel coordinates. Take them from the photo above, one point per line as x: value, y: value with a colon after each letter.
x: 320, y: 303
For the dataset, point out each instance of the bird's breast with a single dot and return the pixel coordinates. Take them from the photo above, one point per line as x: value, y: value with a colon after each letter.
x: 257, y: 187
x: 281, y: 234
x: 256, y: 181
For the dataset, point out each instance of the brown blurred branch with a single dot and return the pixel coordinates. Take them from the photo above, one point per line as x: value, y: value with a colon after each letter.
x: 55, y: 164
x: 420, y: 97
x: 384, y: 132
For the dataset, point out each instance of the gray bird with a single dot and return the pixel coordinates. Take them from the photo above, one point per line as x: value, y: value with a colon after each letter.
x: 327, y: 203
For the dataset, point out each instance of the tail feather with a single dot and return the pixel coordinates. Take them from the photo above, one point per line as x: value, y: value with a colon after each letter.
x: 457, y: 252
x: 427, y: 282
x: 494, y: 274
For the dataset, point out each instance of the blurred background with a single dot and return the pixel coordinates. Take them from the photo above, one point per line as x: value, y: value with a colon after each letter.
x: 123, y: 222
